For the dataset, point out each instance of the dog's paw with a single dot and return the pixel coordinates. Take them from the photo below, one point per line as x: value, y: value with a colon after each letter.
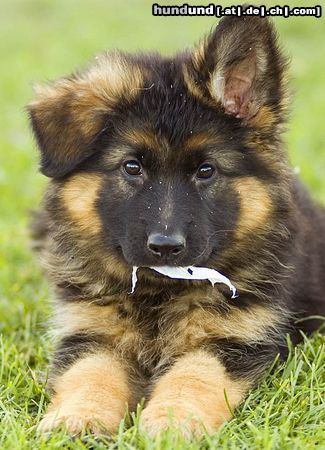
x: 77, y: 422
x: 159, y: 417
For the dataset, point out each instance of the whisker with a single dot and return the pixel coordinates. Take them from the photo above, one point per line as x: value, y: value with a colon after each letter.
x: 208, y: 241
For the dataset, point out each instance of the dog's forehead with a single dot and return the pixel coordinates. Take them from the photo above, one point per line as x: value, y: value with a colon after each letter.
x: 165, y: 113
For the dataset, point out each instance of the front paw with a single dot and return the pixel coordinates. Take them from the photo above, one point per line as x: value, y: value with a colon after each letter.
x: 75, y: 422
x: 157, y: 417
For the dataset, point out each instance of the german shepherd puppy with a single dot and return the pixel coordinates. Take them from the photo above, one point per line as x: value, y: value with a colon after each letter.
x: 172, y: 161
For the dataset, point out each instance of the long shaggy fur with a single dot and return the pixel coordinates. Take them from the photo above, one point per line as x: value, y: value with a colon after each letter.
x: 223, y: 104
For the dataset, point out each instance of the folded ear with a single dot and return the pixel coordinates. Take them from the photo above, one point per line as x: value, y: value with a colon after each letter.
x: 70, y: 114
x: 240, y: 67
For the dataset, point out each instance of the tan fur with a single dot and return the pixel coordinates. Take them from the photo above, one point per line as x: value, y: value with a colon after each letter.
x: 94, y: 273
x: 265, y: 118
x: 93, y: 393
x: 121, y: 332
x: 192, y: 394
x: 81, y: 102
x: 269, y: 153
x: 194, y: 88
x: 200, y: 140
x: 115, y: 266
x: 99, y: 87
x: 79, y: 196
x: 197, y: 325
x: 255, y: 206
x: 141, y: 137
x: 198, y: 54
x: 185, y: 326
x: 246, y: 326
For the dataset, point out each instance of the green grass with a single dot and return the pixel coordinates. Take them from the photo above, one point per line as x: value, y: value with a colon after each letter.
x: 43, y: 39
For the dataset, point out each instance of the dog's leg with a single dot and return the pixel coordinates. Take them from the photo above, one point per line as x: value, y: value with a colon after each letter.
x: 195, y: 394
x: 212, y: 358
x: 91, y: 378
x: 92, y: 393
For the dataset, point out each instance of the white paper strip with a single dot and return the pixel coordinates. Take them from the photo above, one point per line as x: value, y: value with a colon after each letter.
x: 188, y: 273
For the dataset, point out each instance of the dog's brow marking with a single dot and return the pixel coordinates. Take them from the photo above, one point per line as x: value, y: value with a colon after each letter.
x: 142, y: 137
x: 200, y: 140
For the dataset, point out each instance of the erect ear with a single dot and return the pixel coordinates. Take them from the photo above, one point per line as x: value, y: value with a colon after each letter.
x: 239, y: 66
x: 69, y: 115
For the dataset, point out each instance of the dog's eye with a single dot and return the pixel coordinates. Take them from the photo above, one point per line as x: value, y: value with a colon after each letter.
x: 205, y: 171
x: 132, y: 167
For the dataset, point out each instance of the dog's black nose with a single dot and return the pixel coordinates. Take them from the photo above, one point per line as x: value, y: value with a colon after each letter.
x: 166, y: 246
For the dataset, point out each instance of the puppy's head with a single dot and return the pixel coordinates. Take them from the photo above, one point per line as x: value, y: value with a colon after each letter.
x: 169, y: 161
